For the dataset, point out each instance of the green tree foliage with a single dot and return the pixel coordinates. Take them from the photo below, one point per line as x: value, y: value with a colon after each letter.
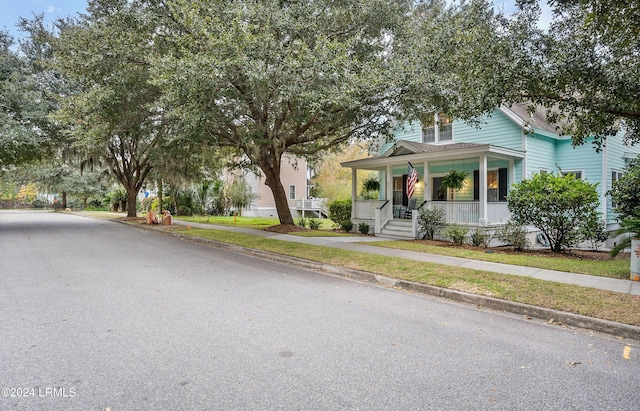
x: 557, y: 205
x: 27, y: 92
x: 331, y: 180
x: 625, y: 192
x: 585, y: 68
x: 449, y: 60
x: 273, y: 77
x: 115, y: 120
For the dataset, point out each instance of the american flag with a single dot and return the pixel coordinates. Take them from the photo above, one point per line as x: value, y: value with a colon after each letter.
x: 412, y: 179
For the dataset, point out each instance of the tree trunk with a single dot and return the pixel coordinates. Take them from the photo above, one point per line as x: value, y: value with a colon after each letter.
x: 159, y: 196
x: 64, y: 200
x: 273, y: 181
x: 131, y: 201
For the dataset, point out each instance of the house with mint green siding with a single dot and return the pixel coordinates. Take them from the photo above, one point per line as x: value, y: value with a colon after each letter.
x: 506, y: 147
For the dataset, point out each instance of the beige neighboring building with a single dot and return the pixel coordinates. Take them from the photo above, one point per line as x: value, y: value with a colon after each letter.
x: 294, y: 178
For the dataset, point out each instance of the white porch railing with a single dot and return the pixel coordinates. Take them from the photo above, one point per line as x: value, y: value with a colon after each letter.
x: 468, y: 212
x: 459, y: 212
x: 312, y: 204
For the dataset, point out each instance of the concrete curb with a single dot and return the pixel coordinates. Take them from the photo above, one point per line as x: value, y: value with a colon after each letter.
x: 547, y: 314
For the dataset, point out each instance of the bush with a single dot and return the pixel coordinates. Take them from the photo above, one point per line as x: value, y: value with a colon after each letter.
x: 456, y: 233
x: 430, y: 221
x: 594, y: 232
x: 363, y: 228
x: 302, y: 222
x: 481, y: 237
x: 558, y: 206
x: 340, y: 210
x: 625, y: 194
x: 347, y: 225
x: 314, y: 224
x: 515, y: 235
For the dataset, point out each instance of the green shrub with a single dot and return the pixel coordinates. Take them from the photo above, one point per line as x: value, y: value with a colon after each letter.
x: 514, y: 234
x: 340, y: 210
x: 557, y: 205
x: 431, y: 221
x: 302, y: 222
x: 455, y: 233
x: 363, y: 228
x: 347, y: 225
x: 481, y: 237
x: 594, y: 232
x: 314, y: 223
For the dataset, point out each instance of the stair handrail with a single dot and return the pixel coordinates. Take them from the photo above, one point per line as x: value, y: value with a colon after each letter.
x: 383, y: 205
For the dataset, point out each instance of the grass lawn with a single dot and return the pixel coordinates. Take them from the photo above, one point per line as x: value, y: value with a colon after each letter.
x: 607, y: 305
x: 618, y: 268
x: 252, y: 222
x: 614, y: 268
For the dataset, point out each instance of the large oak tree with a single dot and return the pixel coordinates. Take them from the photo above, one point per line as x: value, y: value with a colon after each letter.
x: 273, y: 77
x: 115, y: 120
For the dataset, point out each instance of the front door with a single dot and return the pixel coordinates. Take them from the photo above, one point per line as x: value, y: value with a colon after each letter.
x: 438, y: 193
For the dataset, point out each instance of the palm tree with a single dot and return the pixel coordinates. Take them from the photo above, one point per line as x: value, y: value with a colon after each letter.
x: 629, y: 226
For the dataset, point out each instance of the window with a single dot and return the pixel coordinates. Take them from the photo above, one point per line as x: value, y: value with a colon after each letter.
x: 577, y: 174
x: 497, y: 185
x: 436, y: 128
x: 398, y: 191
x: 615, y: 176
x: 292, y: 192
x: 492, y: 185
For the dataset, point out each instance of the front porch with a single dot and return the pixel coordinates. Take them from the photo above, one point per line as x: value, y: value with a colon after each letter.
x: 398, y: 223
x: 481, y: 202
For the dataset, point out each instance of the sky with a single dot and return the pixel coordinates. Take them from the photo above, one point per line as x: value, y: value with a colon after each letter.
x: 11, y: 10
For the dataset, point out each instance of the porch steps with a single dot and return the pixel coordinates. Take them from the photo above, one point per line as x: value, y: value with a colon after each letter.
x: 397, y: 229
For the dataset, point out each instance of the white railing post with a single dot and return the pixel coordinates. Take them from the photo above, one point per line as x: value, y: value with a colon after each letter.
x: 414, y: 223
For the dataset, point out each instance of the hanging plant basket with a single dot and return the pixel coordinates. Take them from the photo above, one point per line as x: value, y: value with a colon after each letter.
x: 371, y: 184
x: 454, y: 180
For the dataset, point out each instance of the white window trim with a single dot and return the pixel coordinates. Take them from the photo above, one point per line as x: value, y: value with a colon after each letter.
x: 292, y: 192
x: 565, y: 172
x: 436, y: 131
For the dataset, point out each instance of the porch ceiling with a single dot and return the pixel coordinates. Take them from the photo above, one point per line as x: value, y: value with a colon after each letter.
x: 403, y: 151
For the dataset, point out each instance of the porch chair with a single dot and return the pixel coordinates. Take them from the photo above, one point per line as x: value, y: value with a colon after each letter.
x: 409, y: 210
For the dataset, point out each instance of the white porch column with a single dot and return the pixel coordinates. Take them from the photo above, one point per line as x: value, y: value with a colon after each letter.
x: 427, y: 184
x: 482, y: 173
x: 354, y: 191
x: 389, y: 186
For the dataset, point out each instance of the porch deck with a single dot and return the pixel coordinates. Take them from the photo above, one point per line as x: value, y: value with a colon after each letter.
x: 378, y: 214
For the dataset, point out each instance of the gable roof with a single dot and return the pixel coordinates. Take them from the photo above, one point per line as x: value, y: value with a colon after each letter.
x: 535, y: 121
x: 404, y: 150
x: 403, y: 147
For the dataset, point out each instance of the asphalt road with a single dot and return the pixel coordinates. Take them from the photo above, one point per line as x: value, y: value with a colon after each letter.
x: 100, y: 316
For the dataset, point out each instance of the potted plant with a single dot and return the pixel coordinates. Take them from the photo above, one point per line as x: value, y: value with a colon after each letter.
x: 454, y: 180
x: 370, y: 188
x: 371, y: 184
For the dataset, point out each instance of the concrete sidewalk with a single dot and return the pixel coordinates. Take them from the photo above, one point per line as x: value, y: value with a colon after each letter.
x: 349, y: 243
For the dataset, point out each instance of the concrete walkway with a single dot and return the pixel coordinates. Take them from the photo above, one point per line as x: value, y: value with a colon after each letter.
x: 349, y: 243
